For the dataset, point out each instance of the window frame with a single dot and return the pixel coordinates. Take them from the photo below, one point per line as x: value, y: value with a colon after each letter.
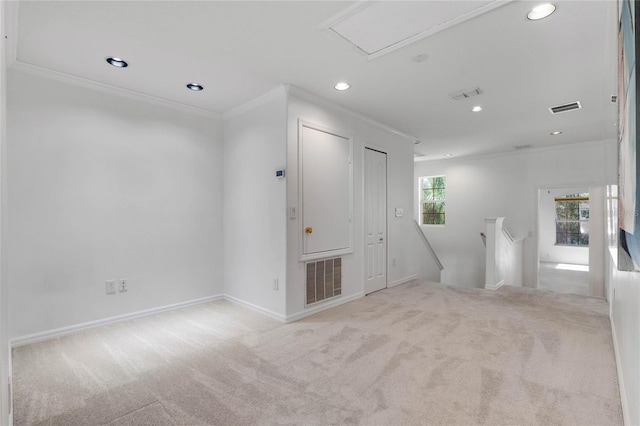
x: 579, y: 198
x: 422, y: 201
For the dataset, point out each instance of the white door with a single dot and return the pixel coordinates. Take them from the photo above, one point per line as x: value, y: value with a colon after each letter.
x: 326, y: 193
x: 375, y: 206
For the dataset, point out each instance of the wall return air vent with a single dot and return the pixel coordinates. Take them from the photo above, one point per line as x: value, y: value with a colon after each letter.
x: 564, y: 108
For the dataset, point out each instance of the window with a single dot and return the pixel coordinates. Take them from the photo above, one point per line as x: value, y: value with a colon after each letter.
x: 432, y: 200
x: 572, y: 220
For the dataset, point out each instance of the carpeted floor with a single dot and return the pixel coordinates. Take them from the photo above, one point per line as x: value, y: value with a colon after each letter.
x: 561, y: 278
x: 420, y: 353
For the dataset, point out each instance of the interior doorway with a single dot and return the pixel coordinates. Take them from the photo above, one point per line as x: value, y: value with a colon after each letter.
x: 564, y: 225
x: 375, y: 212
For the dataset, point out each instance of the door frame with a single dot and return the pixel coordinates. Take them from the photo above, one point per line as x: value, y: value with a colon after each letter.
x: 386, y: 214
x: 594, y: 291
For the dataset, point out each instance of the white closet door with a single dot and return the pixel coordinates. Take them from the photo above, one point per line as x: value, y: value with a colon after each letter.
x: 375, y: 212
x: 326, y: 193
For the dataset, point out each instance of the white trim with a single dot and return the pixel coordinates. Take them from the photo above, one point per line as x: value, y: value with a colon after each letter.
x: 255, y: 308
x: 494, y: 286
x: 108, y: 88
x: 347, y: 13
x: 623, y: 393
x: 481, y: 156
x: 58, y: 332
x: 321, y: 102
x: 403, y: 280
x: 256, y: 102
x: 353, y: 10
x: 319, y: 308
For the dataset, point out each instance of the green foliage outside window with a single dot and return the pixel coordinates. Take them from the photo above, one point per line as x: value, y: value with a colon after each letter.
x: 432, y: 200
x: 572, y: 220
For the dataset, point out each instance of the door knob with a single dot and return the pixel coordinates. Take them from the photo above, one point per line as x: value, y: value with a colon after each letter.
x: 308, y: 230
x: 381, y: 239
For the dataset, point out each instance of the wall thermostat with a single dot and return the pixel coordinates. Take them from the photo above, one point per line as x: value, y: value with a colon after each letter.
x: 280, y: 173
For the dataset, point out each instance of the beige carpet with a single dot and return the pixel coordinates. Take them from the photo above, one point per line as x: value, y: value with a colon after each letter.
x: 420, y: 353
x: 552, y: 277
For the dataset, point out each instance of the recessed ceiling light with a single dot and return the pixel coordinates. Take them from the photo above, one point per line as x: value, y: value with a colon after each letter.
x: 195, y: 87
x: 448, y: 155
x: 117, y: 62
x: 476, y: 108
x: 541, y: 11
x: 343, y: 85
x: 555, y: 133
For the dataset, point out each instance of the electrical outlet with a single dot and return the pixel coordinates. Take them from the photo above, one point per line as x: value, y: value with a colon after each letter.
x: 275, y: 284
x: 122, y: 285
x: 111, y: 286
x: 393, y: 262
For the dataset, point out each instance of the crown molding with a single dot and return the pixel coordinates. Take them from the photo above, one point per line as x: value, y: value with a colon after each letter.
x: 514, y: 153
x: 108, y: 88
x: 275, y: 93
x: 310, y: 97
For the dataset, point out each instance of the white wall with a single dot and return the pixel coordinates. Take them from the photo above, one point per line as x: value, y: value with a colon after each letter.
x: 104, y: 187
x: 503, y: 264
x: 255, y: 205
x: 624, y: 297
x: 505, y: 185
x: 402, y: 237
x: 549, y: 251
x: 4, y: 336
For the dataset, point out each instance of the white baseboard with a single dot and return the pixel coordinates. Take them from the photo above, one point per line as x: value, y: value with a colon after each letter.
x: 623, y: 393
x: 256, y: 308
x: 323, y: 307
x: 51, y: 334
x: 58, y: 332
x: 402, y: 280
x: 495, y: 286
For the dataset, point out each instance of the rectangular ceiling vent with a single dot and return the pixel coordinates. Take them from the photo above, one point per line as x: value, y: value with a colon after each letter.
x: 519, y: 147
x: 564, y: 108
x: 466, y: 93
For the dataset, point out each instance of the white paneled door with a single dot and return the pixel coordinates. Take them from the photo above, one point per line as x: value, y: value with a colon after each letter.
x: 375, y: 206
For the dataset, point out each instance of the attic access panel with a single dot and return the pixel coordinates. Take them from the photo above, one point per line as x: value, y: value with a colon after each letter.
x: 377, y: 28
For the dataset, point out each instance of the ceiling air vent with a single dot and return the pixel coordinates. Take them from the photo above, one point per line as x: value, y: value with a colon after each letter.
x: 519, y: 147
x: 564, y: 108
x: 466, y: 93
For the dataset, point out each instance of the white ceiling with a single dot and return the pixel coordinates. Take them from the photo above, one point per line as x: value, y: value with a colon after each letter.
x: 240, y: 50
